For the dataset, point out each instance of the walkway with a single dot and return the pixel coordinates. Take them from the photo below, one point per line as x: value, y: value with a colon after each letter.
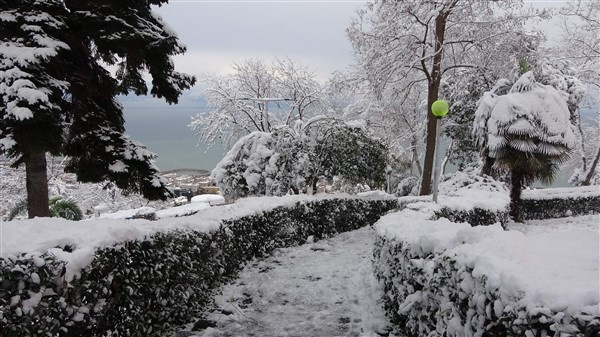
x: 322, y: 289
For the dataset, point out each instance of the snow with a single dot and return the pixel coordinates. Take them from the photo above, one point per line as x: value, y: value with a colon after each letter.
x: 128, y: 213
x: 118, y: 166
x: 208, y: 198
x: 532, y: 110
x: 325, y: 288
x: 182, y: 210
x: 552, y: 268
x: 562, y: 192
x: 7, y: 143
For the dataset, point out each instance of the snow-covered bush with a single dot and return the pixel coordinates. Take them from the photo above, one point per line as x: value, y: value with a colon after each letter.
x: 248, y: 168
x: 561, y: 202
x: 157, y: 279
x: 408, y: 186
x: 296, y: 158
x: 466, y: 187
x: 450, y: 279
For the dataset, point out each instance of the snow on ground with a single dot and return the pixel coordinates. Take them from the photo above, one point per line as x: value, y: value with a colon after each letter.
x: 208, y: 198
x: 325, y: 288
x: 128, y: 213
x: 182, y: 210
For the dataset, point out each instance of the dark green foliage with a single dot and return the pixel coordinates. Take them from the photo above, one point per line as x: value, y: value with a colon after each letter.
x: 474, y: 217
x: 25, y: 277
x: 20, y: 208
x: 558, y: 207
x: 463, y: 92
x: 65, y: 208
x: 148, y: 287
x: 350, y: 153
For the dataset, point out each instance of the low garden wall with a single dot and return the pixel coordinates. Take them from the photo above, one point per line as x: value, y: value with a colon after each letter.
x: 144, y: 278
x: 443, y: 278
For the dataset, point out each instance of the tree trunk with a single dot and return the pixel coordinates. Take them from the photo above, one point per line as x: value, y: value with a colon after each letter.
x: 488, y: 163
x: 516, y: 203
x: 314, y: 185
x: 37, y: 185
x: 432, y: 95
x: 590, y: 172
x: 415, y: 155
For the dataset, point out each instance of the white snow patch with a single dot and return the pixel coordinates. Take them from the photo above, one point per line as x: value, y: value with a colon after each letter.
x: 208, y: 199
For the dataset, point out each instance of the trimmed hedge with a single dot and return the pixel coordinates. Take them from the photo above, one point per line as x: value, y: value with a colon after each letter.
x: 433, y: 294
x: 148, y: 287
x: 554, y: 204
x: 475, y: 217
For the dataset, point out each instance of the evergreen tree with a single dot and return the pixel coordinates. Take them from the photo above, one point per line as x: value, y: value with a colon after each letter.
x: 57, y: 97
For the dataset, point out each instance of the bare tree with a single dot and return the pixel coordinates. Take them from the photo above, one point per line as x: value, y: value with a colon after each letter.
x: 257, y: 97
x: 580, y: 48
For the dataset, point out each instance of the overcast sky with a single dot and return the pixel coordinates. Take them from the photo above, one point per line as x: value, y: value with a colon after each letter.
x: 221, y: 32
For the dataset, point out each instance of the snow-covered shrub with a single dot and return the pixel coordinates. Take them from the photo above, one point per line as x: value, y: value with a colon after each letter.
x: 248, y: 168
x: 150, y: 285
x: 408, y: 186
x: 468, y: 185
x: 450, y: 279
x: 296, y: 158
x: 561, y: 202
x: 459, y: 183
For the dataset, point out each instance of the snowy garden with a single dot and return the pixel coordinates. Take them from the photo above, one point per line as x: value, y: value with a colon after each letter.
x: 399, y: 197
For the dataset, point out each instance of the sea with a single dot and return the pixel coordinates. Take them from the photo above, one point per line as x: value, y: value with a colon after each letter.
x: 164, y: 129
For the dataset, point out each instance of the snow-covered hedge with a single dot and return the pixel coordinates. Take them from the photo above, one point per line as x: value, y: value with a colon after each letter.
x: 560, y: 202
x: 442, y: 278
x: 140, y: 278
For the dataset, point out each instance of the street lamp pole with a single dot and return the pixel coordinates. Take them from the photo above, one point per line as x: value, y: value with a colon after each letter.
x: 388, y: 172
x: 439, y: 108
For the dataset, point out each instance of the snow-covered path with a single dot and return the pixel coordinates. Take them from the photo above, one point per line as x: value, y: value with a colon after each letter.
x: 321, y: 289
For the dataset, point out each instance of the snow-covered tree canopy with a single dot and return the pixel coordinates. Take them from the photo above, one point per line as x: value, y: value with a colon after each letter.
x: 580, y: 42
x: 288, y: 89
x: 528, y: 126
x: 410, y: 46
x: 57, y: 97
x: 294, y: 158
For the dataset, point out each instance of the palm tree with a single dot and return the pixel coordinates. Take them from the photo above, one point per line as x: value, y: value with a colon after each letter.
x: 528, y: 133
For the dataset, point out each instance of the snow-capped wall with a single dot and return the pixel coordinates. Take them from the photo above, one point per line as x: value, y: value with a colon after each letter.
x: 451, y: 279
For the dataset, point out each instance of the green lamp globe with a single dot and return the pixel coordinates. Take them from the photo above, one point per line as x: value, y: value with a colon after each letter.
x: 439, y: 108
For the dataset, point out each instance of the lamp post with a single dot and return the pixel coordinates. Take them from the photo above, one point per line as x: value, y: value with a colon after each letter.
x: 388, y: 172
x: 439, y: 108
